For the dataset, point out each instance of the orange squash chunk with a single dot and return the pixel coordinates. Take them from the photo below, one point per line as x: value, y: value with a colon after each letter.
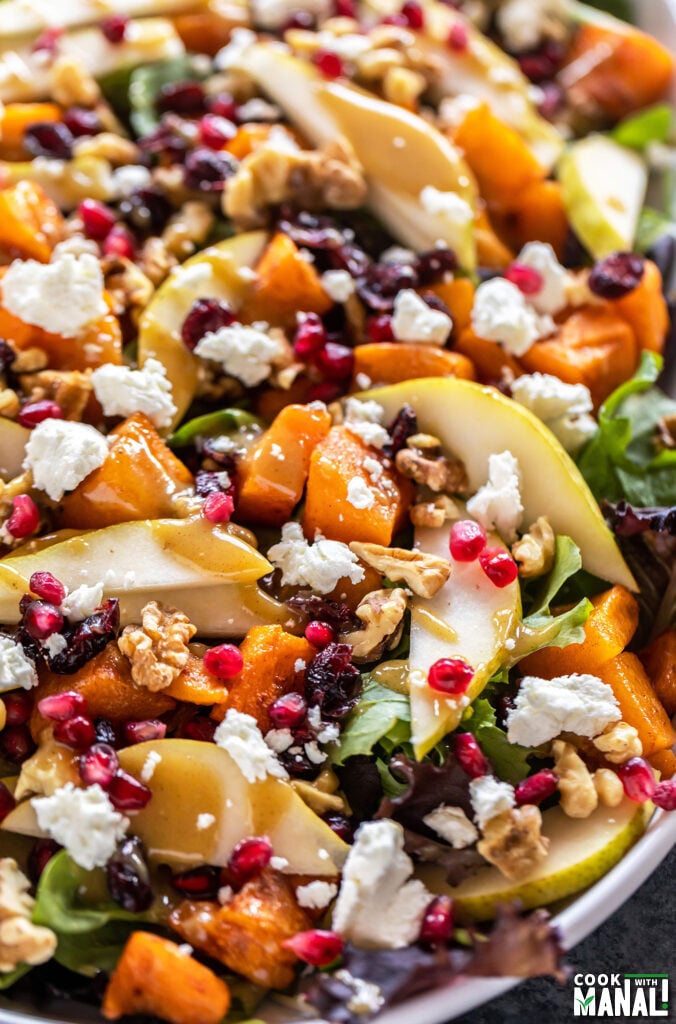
x: 30, y: 223
x: 639, y: 705
x: 458, y: 296
x: 154, y: 976
x: 196, y: 686
x: 664, y: 761
x: 390, y: 362
x: 659, y: 660
x: 137, y: 480
x: 538, y: 215
x: 335, y: 462
x: 492, y: 361
x: 207, y: 31
x: 490, y: 249
x: 645, y: 310
x: 272, y: 475
x: 609, y: 628
x: 286, y: 285
x: 16, y: 118
x: 593, y: 346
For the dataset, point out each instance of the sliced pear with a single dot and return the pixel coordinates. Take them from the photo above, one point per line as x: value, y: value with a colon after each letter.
x: 474, y: 421
x: 66, y: 182
x: 214, y: 273
x: 582, y: 851
x: 13, y: 439
x: 603, y: 208
x: 19, y: 19
x: 469, y: 618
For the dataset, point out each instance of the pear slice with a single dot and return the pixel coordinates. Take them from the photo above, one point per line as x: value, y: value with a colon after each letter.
x: 19, y: 19
x: 469, y: 618
x: 603, y: 208
x: 214, y: 273
x: 474, y: 421
x: 582, y: 851
x: 13, y: 439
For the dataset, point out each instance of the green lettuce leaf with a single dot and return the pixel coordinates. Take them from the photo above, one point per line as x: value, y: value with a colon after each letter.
x: 653, y: 124
x: 652, y: 226
x: 145, y: 83
x: 381, y: 717
x: 509, y: 759
x: 8, y: 978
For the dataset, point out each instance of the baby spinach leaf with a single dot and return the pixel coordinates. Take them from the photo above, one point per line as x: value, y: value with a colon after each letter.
x: 381, y: 716
x: 509, y: 760
x: 653, y: 124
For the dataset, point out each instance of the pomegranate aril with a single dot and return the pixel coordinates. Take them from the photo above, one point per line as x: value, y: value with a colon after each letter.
x: 326, y: 391
x: 468, y: 539
x: 379, y: 328
x: 49, y: 138
x: 536, y: 788
x: 36, y: 412
x: 224, y: 105
x: 98, y: 765
x: 127, y: 793
x: 59, y: 707
x: 215, y: 131
x: 450, y: 676
x: 41, y: 619
x: 458, y: 37
x: 616, y: 275
x: 119, y: 242
x: 413, y: 13
x: 437, y: 924
x: 114, y: 28
x: 224, y: 661
x: 665, y: 795
x: 335, y: 361
x: 18, y: 707
x: 319, y: 634
x: 46, y: 586
x: 82, y: 122
x: 218, y: 507
x: 201, y: 883
x: 317, y: 948
x: 206, y: 316
x: 143, y: 732
x: 97, y: 219
x: 128, y: 876
x: 344, y: 9
x: 248, y: 859
x: 39, y: 857
x: 77, y: 732
x: 48, y: 41
x: 288, y: 711
x: 24, y: 518
x: 528, y: 280
x: 16, y: 742
x: 470, y: 756
x: 186, y: 98
x: 499, y: 566
x: 329, y: 64
x: 200, y: 728
x: 7, y: 801
x: 637, y: 779
x: 310, y: 336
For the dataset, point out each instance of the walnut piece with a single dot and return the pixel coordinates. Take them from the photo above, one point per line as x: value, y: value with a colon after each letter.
x: 158, y: 648
x: 127, y: 285
x: 382, y: 612
x: 608, y: 787
x: 117, y: 150
x: 10, y: 404
x: 439, y: 473
x: 434, y: 513
x: 534, y: 552
x: 513, y: 843
x: 21, y: 941
x: 403, y: 87
x: 70, y: 389
x: 72, y: 85
x: 576, y: 785
x: 156, y: 261
x: 619, y: 742
x: 425, y: 574
x: 188, y: 228
x: 28, y: 360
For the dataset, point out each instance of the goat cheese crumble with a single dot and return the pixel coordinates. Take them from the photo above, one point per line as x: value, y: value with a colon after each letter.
x: 501, y: 313
x: 359, y: 494
x: 490, y: 797
x: 319, y: 565
x: 539, y: 256
x: 365, y: 420
x: 564, y: 408
x: 61, y: 297
x: 414, y: 321
x: 497, y: 505
x: 239, y: 735
x: 448, y: 205
x: 338, y: 285
x: 84, y: 821
x: 61, y: 454
x: 524, y: 23
x: 246, y: 353
x: 122, y: 391
x: 453, y: 825
x: 316, y: 895
x: 16, y: 668
x: 275, y: 13
x: 544, y: 708
x: 82, y: 601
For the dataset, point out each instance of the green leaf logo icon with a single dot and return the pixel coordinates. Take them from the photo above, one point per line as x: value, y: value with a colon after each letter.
x: 586, y: 1002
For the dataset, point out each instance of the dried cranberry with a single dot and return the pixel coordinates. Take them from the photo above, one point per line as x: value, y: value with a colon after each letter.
x: 7, y: 801
x: 17, y: 743
x: 499, y: 566
x: 87, y: 638
x: 144, y: 731
x: 166, y: 141
x: 543, y: 64
x: 458, y: 37
x: 224, y: 661
x: 200, y: 728
x: 39, y: 857
x: 315, y: 947
x: 77, y: 732
x: 332, y: 681
x: 59, y: 707
x: 46, y: 586
x: 468, y: 539
x: 98, y: 765
x: 24, y: 518
x: 326, y: 391
x: 338, y: 615
x: 114, y: 28
x: 403, y: 426
x: 341, y: 825
x: 224, y: 105
x: 81, y: 122
x: 437, y: 924
x: 295, y: 758
x: 450, y: 676
x: 128, y: 876
x: 288, y: 711
x: 379, y: 328
x: 146, y: 209
x: 41, y: 619
x: 379, y: 285
x: 207, y: 170
x: 616, y: 275
x: 18, y: 707
x: 36, y: 412
x: 248, y: 859
x: 127, y: 793
x: 215, y: 131
x: 637, y: 779
x: 49, y: 138
x: 344, y: 9
x: 7, y: 356
x: 300, y: 19
x: 119, y: 242
x: 536, y: 788
x: 206, y: 316
x: 470, y: 755
x: 310, y: 336
x: 329, y: 64
x: 218, y: 507
x: 435, y: 264
x: 105, y: 731
x: 553, y: 99
x: 185, y: 98
x: 335, y: 361
x: 208, y: 482
x: 200, y: 883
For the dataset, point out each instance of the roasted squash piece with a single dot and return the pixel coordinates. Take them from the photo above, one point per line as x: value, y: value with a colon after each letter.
x: 30, y: 223
x: 286, y: 284
x: 492, y: 362
x: 645, y: 310
x: 639, y: 705
x: 659, y: 660
x: 537, y: 215
x: 392, y: 362
x: 196, y: 686
x: 458, y: 295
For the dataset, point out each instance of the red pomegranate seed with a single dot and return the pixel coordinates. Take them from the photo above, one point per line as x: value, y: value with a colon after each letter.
x: 437, y: 924
x: 59, y: 707
x: 335, y: 361
x: 470, y: 755
x: 97, y: 219
x: 119, y: 242
x: 395, y: 19
x: 47, y: 587
x: 319, y: 634
x: 536, y: 788
x: 215, y: 131
x: 616, y: 275
x: 25, y: 517
x: 218, y: 507
x: 310, y: 336
x: 499, y: 566
x: 201, y: 883
x: 127, y: 793
x: 7, y: 801
x: 287, y: 711
x: 344, y: 9
x: 98, y: 765
x: 413, y: 12
x: 200, y: 728
x: 205, y: 316
x: 379, y: 328
x: 248, y: 859
x: 114, y: 28
x: 41, y: 619
x: 223, y: 105
x: 224, y: 661
x: 458, y: 37
x: 451, y: 676
x: 328, y: 63
x: 527, y: 279
x: 36, y: 412
x: 77, y: 732
x: 17, y: 742
x: 665, y: 795
x: 18, y: 707
x: 186, y: 98
x: 468, y: 539
x: 48, y: 41
x: 637, y: 779
x: 325, y: 391
x: 316, y: 947
x: 142, y: 732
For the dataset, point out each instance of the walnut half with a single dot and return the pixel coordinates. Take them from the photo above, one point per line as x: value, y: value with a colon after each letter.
x: 513, y: 843
x: 382, y: 612
x: 21, y: 941
x: 425, y: 574
x: 158, y: 648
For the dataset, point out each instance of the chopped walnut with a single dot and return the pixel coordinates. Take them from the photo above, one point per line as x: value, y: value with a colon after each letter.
x: 21, y: 941
x: 12, y: 489
x: 666, y: 432
x: 327, y: 177
x: 29, y: 360
x: 576, y: 785
x: 10, y: 404
x: 403, y: 87
x: 513, y: 843
x: 427, y: 444
x: 619, y: 742
x: 50, y: 767
x: 72, y: 85
x: 158, y: 648
x: 70, y: 389
x: 425, y: 574
x: 374, y: 64
x: 156, y: 261
x: 608, y: 787
x: 434, y: 513
x: 382, y: 612
x: 127, y: 285
x: 534, y: 552
x: 188, y: 229
x: 439, y: 473
x: 117, y: 150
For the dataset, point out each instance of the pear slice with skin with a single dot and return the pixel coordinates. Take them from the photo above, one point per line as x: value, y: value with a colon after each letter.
x: 13, y: 439
x: 214, y: 273
x: 470, y: 618
x: 582, y: 851
x: 473, y: 421
x: 19, y: 19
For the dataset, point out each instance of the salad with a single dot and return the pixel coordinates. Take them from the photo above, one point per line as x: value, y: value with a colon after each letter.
x: 337, y: 493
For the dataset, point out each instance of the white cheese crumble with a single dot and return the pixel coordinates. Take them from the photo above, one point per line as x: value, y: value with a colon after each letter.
x: 16, y: 668
x: 232, y: 54
x: 246, y: 353
x: 379, y: 906
x: 524, y: 23
x: 454, y: 109
x: 257, y: 109
x: 398, y: 254
x: 544, y: 708
x: 367, y: 997
x: 564, y: 408
x: 539, y: 256
x: 122, y: 391
x: 62, y: 454
x: 359, y: 494
x: 239, y: 735
x: 225, y: 894
x: 338, y: 285
x: 413, y: 320
x: 84, y: 821
x: 275, y: 13
x: 82, y: 601
x: 54, y: 644
x: 279, y: 740
x: 149, y: 765
x: 453, y: 825
x: 299, y: 665
x: 205, y: 821
x: 316, y: 895
x: 129, y: 179
x: 61, y: 297
x: 490, y: 797
x: 319, y: 565
x: 279, y: 863
x: 448, y: 205
x: 501, y: 313
x: 373, y: 468
x: 497, y: 505
x: 365, y: 420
